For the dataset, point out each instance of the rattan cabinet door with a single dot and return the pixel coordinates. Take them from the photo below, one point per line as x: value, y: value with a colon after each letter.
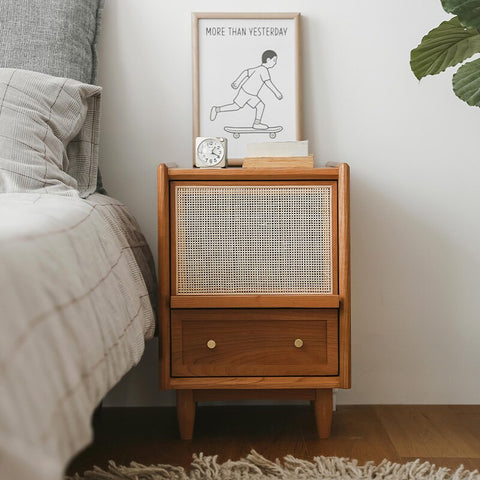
x: 242, y: 238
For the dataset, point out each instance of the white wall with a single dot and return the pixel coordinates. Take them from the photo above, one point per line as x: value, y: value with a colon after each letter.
x: 414, y: 157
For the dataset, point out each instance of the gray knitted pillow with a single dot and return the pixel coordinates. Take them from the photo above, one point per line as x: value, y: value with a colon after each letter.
x: 57, y: 37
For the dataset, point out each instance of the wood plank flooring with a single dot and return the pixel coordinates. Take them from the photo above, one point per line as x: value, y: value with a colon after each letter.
x: 447, y: 435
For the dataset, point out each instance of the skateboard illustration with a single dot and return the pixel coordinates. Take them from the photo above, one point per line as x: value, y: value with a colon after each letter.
x: 248, y: 84
x: 237, y: 131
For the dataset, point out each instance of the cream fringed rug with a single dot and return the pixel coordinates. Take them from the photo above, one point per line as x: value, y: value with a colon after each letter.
x: 256, y: 467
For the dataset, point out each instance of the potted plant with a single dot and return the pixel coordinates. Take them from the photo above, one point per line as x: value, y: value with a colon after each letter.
x: 450, y: 44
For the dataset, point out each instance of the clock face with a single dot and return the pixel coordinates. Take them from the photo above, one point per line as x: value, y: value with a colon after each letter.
x: 211, y: 152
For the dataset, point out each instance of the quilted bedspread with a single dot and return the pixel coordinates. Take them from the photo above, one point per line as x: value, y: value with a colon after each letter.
x: 76, y: 281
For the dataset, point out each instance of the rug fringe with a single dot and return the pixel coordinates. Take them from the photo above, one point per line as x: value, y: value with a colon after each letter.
x: 257, y: 467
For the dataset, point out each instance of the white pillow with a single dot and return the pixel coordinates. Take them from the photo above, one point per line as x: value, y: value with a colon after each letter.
x: 49, y: 129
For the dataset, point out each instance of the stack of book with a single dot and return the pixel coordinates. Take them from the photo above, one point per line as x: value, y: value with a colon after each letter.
x: 292, y: 154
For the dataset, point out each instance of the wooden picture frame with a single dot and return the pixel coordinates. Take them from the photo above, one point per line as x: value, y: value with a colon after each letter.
x: 237, y: 92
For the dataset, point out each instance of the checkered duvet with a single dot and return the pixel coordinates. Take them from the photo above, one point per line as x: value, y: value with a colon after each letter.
x: 76, y: 281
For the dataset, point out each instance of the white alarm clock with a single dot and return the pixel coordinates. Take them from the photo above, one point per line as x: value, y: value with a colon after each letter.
x: 210, y: 152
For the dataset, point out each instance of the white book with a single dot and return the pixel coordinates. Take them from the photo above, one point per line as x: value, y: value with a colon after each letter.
x: 278, y: 149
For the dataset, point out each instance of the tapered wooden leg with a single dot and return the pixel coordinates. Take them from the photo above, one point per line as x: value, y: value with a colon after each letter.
x: 323, y: 405
x: 185, y: 413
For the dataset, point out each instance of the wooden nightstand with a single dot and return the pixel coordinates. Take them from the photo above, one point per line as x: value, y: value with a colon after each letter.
x: 254, y: 274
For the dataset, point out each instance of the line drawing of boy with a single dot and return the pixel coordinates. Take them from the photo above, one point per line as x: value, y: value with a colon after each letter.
x: 249, y: 83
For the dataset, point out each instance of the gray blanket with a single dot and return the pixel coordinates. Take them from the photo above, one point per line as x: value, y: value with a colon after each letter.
x: 75, y: 283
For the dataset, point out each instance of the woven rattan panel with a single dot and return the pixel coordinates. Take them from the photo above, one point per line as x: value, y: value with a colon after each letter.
x: 254, y: 239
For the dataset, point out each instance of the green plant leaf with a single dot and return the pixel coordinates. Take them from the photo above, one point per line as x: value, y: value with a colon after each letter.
x: 468, y: 11
x: 447, y: 45
x: 466, y: 83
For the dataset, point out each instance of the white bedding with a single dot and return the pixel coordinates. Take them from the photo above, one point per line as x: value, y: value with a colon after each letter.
x: 75, y: 283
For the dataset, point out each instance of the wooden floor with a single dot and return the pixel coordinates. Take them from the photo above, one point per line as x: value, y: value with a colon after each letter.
x: 444, y: 435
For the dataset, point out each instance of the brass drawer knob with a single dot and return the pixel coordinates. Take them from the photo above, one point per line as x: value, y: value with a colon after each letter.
x: 298, y: 342
x: 211, y: 344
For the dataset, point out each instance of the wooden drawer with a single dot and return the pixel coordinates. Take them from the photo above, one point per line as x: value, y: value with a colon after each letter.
x: 254, y: 342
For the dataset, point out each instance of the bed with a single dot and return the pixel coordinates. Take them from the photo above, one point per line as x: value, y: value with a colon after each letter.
x: 77, y: 281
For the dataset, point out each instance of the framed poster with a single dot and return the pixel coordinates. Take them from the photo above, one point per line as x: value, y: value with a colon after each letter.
x: 246, y: 78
